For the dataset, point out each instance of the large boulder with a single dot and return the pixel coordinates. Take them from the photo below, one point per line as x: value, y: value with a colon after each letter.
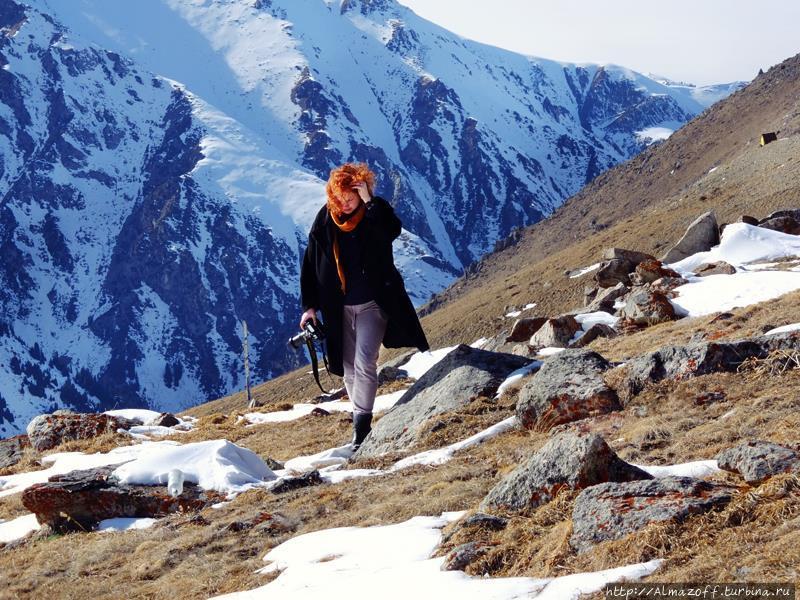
x: 523, y: 329
x: 610, y: 511
x: 555, y: 333
x: 48, y: 431
x: 568, y: 387
x: 452, y: 383
x: 701, y: 235
x: 647, y: 307
x: 79, y: 500
x: 702, y: 358
x: 617, y: 265
x: 567, y: 461
x: 758, y: 460
x: 11, y: 450
x: 784, y: 224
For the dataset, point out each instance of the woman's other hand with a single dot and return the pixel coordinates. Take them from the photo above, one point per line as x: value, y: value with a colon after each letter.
x: 362, y: 190
x: 309, y: 314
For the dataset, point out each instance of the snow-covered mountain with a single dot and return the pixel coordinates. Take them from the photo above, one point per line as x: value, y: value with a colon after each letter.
x: 161, y: 161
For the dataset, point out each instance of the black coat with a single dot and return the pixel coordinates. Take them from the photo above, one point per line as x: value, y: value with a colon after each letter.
x: 320, y: 287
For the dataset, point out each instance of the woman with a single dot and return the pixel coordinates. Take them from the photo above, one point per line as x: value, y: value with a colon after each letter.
x: 348, y: 274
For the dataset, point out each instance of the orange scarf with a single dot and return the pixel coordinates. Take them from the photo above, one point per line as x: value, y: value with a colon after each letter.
x: 346, y: 226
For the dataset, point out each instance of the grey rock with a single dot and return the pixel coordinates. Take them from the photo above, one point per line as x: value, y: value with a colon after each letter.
x: 631, y: 256
x: 568, y: 387
x: 715, y: 268
x: 523, y: 329
x: 611, y: 511
x: 667, y: 284
x: 485, y: 521
x: 597, y: 330
x: 647, y: 307
x: 274, y: 464
x: 567, y: 461
x: 557, y: 332
x: 617, y: 266
x: 701, y: 235
x: 702, y: 358
x: 12, y: 449
x: 464, y: 374
x: 758, y: 460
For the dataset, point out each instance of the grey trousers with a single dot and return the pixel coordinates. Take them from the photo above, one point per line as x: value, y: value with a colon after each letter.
x: 364, y: 326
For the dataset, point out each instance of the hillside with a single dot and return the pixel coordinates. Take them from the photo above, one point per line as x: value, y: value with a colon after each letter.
x: 666, y: 453
x: 161, y: 163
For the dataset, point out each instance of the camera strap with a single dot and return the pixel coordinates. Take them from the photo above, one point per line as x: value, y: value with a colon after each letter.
x: 312, y: 352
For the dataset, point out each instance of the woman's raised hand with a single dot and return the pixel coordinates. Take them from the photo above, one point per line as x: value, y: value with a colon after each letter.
x: 309, y: 314
x: 362, y: 190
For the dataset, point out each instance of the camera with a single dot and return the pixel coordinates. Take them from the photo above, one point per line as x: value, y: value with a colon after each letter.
x: 311, y: 331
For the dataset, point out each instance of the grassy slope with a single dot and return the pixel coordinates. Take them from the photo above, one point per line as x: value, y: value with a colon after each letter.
x: 646, y: 207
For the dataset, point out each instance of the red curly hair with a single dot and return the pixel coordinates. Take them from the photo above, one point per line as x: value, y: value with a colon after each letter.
x: 343, y: 179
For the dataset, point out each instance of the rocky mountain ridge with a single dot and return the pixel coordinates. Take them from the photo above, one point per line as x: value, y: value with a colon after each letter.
x: 159, y: 169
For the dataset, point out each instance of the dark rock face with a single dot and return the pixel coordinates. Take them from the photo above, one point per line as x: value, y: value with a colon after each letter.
x: 453, y: 382
x: 647, y: 307
x: 48, y: 431
x: 555, y: 333
x: 567, y: 461
x: 692, y: 360
x: 784, y: 224
x: 78, y: 501
x: 701, y: 235
x: 164, y: 420
x: 11, y: 450
x: 568, y: 387
x: 757, y: 461
x: 610, y: 511
x: 604, y: 299
x: 523, y: 329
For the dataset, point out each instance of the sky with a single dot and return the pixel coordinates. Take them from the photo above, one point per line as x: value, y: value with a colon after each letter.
x: 696, y: 41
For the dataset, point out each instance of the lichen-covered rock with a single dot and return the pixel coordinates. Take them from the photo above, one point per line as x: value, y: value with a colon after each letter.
x: 758, y: 460
x: 569, y: 386
x: 701, y: 235
x: 650, y: 270
x: 647, y: 307
x: 567, y: 461
x: 452, y: 383
x: 79, y: 500
x: 11, y: 450
x: 48, y: 431
x: 610, y: 511
x: 702, y: 358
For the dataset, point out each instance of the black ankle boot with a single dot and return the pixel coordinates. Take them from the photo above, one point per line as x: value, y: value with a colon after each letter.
x: 362, y: 425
